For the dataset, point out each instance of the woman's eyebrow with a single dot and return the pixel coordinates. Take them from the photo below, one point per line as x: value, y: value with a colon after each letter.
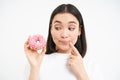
x: 57, y: 21
x: 72, y: 22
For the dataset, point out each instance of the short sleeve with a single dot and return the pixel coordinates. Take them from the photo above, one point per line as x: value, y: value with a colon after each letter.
x: 97, y: 73
x: 94, y: 70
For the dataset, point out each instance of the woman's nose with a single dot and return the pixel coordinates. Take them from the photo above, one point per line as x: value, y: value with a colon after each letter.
x: 64, y: 34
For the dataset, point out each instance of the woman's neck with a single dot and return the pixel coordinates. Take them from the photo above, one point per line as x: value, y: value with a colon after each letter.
x: 64, y: 51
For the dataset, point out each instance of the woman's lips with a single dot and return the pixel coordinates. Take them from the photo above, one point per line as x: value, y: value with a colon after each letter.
x: 64, y: 42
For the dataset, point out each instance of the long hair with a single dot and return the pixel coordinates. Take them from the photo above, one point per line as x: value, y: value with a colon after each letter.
x: 81, y: 41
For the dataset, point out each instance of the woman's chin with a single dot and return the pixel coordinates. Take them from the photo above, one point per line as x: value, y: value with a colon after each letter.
x: 64, y: 49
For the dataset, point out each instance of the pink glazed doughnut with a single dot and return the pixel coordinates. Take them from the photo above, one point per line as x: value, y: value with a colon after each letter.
x: 37, y: 42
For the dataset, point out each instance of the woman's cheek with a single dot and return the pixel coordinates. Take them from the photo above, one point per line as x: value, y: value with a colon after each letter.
x: 74, y: 39
x: 55, y: 37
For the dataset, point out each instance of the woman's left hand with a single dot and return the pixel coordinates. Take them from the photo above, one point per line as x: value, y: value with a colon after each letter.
x: 75, y: 63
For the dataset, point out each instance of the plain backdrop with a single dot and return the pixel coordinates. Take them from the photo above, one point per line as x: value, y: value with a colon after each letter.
x: 21, y: 18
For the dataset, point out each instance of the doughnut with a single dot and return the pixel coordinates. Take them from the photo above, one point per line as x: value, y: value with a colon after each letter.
x: 37, y: 42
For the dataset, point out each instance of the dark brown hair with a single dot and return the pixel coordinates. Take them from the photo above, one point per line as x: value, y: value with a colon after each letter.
x: 81, y: 41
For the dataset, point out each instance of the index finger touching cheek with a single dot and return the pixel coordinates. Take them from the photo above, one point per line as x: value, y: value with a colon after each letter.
x: 74, y: 50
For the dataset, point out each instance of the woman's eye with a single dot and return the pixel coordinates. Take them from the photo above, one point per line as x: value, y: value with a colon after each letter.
x: 57, y: 28
x: 71, y: 28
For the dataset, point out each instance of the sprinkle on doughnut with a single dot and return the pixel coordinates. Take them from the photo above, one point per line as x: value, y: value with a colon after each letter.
x: 37, y: 42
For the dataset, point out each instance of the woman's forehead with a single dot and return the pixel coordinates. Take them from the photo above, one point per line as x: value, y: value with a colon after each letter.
x: 65, y: 18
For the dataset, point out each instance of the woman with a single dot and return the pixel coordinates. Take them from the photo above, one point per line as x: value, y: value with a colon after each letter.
x: 62, y: 59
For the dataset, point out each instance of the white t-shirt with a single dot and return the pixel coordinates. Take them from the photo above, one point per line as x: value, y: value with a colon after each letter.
x: 54, y: 67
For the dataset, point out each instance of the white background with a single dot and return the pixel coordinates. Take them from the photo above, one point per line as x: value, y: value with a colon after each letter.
x: 21, y: 18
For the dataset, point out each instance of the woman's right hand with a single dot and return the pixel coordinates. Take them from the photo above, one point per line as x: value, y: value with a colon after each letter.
x: 33, y: 56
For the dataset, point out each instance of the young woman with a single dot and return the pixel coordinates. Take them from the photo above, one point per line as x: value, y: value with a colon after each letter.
x: 62, y: 59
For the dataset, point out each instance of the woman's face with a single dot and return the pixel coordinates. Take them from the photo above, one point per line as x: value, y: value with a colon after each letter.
x: 64, y: 29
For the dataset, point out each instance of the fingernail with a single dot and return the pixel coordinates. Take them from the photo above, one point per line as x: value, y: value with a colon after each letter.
x: 71, y: 43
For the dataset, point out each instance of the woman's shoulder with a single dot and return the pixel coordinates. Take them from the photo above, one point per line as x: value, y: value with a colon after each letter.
x: 93, y: 69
